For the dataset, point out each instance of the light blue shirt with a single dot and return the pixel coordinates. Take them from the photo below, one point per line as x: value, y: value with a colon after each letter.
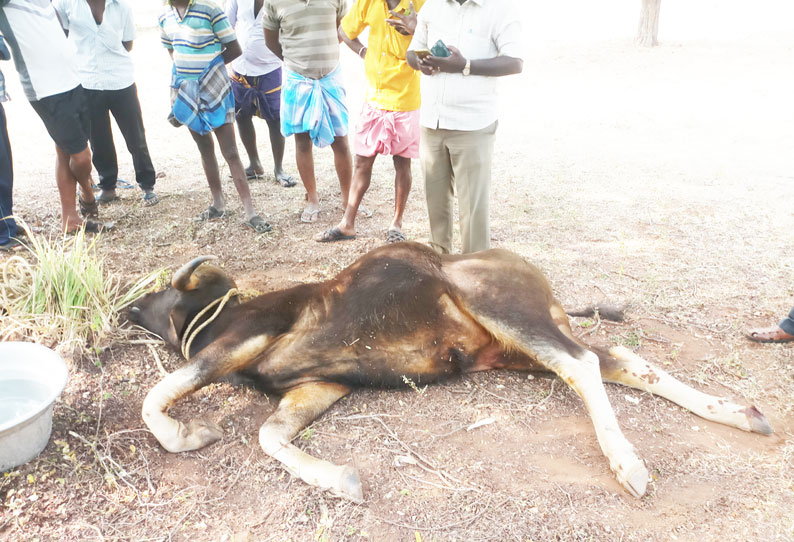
x: 102, y: 61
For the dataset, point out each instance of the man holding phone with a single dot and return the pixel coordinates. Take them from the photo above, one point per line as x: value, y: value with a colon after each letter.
x: 461, y: 47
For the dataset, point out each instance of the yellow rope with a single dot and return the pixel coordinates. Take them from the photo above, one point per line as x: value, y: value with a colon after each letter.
x: 187, y: 338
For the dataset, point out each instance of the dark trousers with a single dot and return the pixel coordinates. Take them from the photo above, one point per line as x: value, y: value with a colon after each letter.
x: 8, y: 228
x: 126, y: 109
x: 787, y: 324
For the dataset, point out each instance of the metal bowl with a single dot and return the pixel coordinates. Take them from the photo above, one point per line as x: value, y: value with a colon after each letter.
x: 31, y: 378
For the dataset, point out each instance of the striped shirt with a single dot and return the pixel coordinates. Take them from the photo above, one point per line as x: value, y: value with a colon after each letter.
x: 197, y: 38
x: 43, y: 57
x: 307, y: 32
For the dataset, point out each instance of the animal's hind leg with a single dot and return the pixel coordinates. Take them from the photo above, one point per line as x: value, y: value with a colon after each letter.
x: 297, y: 409
x: 583, y: 375
x: 631, y: 370
x: 172, y: 434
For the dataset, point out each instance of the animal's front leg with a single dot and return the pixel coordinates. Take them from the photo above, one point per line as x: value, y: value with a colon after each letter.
x: 173, y: 435
x: 297, y: 409
x: 583, y: 375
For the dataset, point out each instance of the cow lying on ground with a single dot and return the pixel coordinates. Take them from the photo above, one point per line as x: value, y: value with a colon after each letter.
x: 401, y: 311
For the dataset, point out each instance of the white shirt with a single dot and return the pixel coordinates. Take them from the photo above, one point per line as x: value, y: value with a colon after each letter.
x: 256, y: 59
x: 480, y: 29
x: 45, y: 60
x: 102, y: 61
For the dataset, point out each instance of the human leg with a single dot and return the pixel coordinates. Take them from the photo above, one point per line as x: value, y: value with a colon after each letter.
x: 228, y: 145
x: 343, y: 162
x: 126, y: 109
x: 362, y: 175
x: 437, y: 171
x: 72, y: 173
x: 103, y: 150
x: 245, y: 126
x: 277, y: 144
x: 470, y: 153
x: 304, y: 159
x: 402, y: 187
x: 206, y: 148
x: 8, y: 227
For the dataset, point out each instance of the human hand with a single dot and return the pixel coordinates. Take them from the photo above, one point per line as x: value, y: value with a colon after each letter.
x: 454, y: 63
x: 404, y: 23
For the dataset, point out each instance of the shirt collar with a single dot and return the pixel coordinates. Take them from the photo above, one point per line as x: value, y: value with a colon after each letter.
x: 190, y: 3
x: 478, y: 2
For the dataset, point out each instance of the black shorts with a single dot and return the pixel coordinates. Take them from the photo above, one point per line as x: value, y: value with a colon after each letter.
x: 66, y: 118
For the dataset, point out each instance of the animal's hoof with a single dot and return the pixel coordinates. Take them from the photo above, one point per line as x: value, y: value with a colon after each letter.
x: 203, y: 432
x: 757, y: 421
x: 635, y: 479
x: 349, y: 485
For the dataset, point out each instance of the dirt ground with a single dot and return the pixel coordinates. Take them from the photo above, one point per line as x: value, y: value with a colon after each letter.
x: 657, y: 177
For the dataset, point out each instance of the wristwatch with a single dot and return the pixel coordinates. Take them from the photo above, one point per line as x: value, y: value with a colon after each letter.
x: 467, y: 67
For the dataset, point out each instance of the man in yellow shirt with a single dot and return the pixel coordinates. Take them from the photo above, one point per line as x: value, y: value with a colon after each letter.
x: 389, y: 122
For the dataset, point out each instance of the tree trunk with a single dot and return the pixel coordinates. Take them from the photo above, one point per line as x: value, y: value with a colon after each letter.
x: 648, y: 30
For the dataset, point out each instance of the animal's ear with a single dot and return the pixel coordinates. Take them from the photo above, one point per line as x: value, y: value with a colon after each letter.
x: 176, y: 320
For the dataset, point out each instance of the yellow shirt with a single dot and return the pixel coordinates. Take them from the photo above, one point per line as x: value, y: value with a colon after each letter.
x: 392, y: 84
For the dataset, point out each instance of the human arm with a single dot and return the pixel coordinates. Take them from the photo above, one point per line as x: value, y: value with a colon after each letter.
x: 489, y: 67
x: 273, y: 43
x: 223, y: 30
x: 355, y: 44
x: 128, y: 32
x: 231, y: 12
x: 231, y: 50
x: 61, y: 12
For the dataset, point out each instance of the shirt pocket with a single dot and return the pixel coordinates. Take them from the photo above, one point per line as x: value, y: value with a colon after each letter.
x: 476, y: 45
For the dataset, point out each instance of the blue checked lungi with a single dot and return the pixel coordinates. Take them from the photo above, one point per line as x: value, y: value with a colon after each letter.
x: 203, y: 104
x: 316, y: 106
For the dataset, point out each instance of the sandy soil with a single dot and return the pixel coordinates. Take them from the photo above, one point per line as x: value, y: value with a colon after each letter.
x: 657, y: 177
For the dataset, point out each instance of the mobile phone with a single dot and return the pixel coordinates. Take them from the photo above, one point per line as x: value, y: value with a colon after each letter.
x: 440, y: 49
x: 422, y: 53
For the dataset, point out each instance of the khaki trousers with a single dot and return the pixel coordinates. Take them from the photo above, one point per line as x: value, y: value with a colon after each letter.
x: 454, y: 160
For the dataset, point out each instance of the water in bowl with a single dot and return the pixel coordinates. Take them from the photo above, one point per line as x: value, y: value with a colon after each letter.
x: 19, y: 397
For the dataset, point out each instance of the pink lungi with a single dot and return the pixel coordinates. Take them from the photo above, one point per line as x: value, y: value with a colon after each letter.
x: 387, y: 132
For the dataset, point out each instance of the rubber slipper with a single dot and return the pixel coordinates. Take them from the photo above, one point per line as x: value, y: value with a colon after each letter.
x: 251, y: 175
x: 121, y: 183
x: 332, y: 235
x: 769, y: 335
x: 150, y: 198
x: 12, y: 244
x: 395, y: 236
x: 93, y: 226
x: 309, y: 216
x: 210, y: 213
x: 88, y: 210
x: 258, y: 224
x: 285, y: 180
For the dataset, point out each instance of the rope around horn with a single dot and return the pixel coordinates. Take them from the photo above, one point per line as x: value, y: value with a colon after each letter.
x: 187, y: 338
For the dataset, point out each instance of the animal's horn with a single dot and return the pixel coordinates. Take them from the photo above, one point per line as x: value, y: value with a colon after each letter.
x: 183, y: 279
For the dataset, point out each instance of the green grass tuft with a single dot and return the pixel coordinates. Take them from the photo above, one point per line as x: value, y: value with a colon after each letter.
x: 59, y: 293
